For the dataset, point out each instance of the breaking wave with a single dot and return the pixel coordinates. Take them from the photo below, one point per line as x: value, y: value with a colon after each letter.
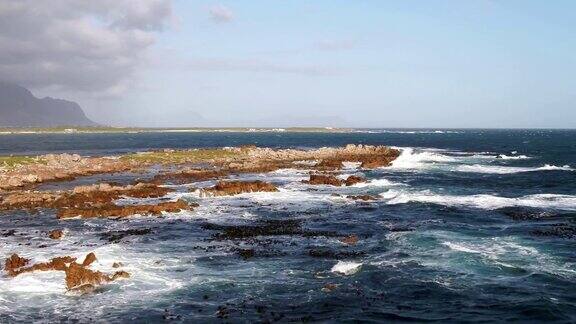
x: 495, y: 169
x: 409, y: 159
x: 553, y: 201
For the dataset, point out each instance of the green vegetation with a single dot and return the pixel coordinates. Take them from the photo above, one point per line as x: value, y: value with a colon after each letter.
x: 11, y: 162
x: 176, y: 157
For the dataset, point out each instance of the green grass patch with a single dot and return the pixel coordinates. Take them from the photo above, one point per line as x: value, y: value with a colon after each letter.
x: 11, y: 162
x: 176, y: 157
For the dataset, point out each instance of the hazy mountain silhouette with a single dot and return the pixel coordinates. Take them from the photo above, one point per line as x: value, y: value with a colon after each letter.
x: 20, y: 108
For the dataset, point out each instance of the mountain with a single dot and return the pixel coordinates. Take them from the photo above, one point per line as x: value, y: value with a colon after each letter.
x: 20, y: 108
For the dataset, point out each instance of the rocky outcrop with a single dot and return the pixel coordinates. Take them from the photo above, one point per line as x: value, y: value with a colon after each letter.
x: 83, y: 197
x: 52, y: 167
x: 362, y: 197
x: 331, y: 180
x: 352, y: 180
x: 112, y: 210
x: 58, y: 264
x: 323, y: 179
x: 13, y: 263
x: 370, y: 156
x: 229, y: 188
x: 78, y: 276
x: 56, y: 234
x: 188, y: 176
x: 349, y: 240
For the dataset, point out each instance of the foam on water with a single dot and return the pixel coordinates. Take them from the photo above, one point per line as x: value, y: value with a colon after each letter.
x: 495, y: 169
x: 377, y: 183
x: 553, y: 201
x: 409, y: 159
x: 346, y: 268
x: 513, y: 157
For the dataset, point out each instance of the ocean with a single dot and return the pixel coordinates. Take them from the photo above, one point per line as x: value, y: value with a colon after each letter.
x: 468, y: 226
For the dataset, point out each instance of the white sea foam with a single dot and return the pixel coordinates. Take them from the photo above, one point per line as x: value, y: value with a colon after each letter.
x: 351, y: 165
x: 346, y: 268
x: 513, y: 157
x: 497, y: 169
x: 409, y: 159
x: 560, y: 202
x: 377, y: 183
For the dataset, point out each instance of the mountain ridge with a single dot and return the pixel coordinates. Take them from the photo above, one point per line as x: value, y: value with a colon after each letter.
x: 20, y: 108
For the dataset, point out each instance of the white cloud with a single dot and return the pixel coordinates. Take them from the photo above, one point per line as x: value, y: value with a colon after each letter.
x: 258, y: 66
x: 92, y: 46
x: 221, y: 14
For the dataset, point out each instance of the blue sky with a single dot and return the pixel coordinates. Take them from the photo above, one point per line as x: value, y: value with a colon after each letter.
x: 360, y: 63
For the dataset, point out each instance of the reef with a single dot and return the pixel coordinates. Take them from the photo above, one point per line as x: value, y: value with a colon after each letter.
x: 160, y: 177
x: 78, y: 276
x: 230, y: 188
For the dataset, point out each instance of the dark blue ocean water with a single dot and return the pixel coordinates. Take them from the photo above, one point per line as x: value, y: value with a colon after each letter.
x: 469, y: 226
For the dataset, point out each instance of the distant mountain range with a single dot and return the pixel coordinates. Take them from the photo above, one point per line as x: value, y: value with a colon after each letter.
x: 20, y: 108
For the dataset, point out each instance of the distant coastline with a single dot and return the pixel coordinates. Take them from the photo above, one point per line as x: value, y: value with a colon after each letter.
x: 93, y: 130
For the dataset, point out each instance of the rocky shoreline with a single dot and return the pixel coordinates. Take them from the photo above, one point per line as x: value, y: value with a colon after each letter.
x: 20, y: 190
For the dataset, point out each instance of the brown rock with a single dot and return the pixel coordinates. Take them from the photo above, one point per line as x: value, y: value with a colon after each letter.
x: 352, y: 180
x: 321, y: 179
x: 120, y: 274
x: 78, y: 276
x: 329, y: 287
x: 329, y: 164
x: 188, y: 176
x: 363, y: 197
x: 350, y: 240
x: 229, y: 188
x: 90, y: 258
x: 117, y: 265
x: 58, y: 264
x: 112, y: 210
x: 56, y: 234
x: 14, y: 262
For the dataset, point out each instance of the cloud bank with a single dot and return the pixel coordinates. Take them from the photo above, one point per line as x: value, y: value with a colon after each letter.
x: 221, y: 14
x: 92, y: 46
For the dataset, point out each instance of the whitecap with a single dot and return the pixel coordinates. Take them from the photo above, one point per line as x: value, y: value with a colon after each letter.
x: 378, y: 183
x: 346, y: 268
x: 496, y: 169
x: 409, y: 159
x: 513, y: 157
x: 484, y: 201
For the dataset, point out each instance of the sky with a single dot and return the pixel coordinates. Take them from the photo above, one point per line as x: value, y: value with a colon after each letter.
x: 279, y: 63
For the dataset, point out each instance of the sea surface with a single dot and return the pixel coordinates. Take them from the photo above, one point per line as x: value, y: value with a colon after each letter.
x: 469, y: 226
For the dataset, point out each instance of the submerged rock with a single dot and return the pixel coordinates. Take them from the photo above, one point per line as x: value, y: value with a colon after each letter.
x: 56, y: 234
x: 264, y: 228
x: 350, y: 239
x: 229, y: 188
x: 362, y: 197
x: 117, y: 236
